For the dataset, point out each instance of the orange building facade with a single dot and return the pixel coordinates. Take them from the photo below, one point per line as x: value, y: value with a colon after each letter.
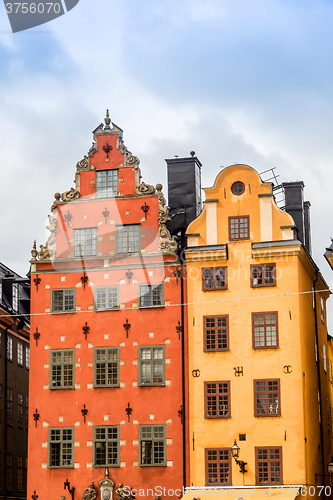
x: 106, y: 390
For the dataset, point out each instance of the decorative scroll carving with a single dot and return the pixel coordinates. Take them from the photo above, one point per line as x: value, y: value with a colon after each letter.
x: 144, y: 189
x: 84, y: 164
x: 121, y: 147
x: 56, y: 201
x: 131, y: 160
x: 48, y: 251
x: 93, y: 149
x: 72, y: 194
x: 90, y: 493
x: 167, y: 244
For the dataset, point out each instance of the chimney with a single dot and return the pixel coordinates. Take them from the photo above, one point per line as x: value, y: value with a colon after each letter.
x: 184, y: 192
x: 299, y: 210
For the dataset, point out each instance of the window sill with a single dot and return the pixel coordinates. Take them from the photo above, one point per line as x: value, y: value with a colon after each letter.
x: 162, y: 384
x: 107, y: 309
x: 214, y: 289
x: 263, y: 286
x: 63, y: 312
x: 150, y: 307
x: 106, y: 387
x: 265, y: 347
x: 217, y: 350
x: 268, y: 415
x: 61, y: 388
x: 106, y: 465
x: 152, y: 465
x: 217, y: 417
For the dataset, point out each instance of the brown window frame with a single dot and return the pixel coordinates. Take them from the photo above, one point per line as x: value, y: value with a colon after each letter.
x: 269, y: 460
x: 233, y: 188
x: 266, y: 392
x: 215, y: 280
x: 263, y: 272
x: 217, y: 394
x: 215, y: 328
x: 265, y: 326
x: 218, y: 462
x: 238, y: 217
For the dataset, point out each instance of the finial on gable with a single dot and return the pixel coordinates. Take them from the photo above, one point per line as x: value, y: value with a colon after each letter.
x: 107, y: 121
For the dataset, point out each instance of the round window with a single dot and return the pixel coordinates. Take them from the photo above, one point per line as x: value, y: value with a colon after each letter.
x: 238, y: 188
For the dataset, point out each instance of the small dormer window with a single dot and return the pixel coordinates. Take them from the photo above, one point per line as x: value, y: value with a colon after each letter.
x: 237, y: 188
x: 107, y: 184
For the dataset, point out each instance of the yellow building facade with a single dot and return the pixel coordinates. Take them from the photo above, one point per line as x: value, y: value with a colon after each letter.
x: 259, y: 373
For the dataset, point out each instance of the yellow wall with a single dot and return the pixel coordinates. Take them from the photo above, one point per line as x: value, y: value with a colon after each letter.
x: 295, y: 273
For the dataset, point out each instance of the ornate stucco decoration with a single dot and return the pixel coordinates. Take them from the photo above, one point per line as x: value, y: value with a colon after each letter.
x: 90, y: 493
x: 48, y: 251
x: 84, y: 164
x: 131, y: 160
x: 72, y: 194
x: 167, y: 243
x: 121, y: 146
x: 144, y: 189
x: 34, y: 252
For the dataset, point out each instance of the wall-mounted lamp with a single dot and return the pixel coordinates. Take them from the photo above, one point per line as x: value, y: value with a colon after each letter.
x: 235, y: 453
x: 330, y: 468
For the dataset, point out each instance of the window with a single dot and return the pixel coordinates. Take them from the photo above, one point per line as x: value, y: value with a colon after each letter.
x: 20, y: 354
x: 269, y: 465
x: 19, y: 473
x: 151, y: 295
x: 106, y: 367
x: 61, y: 441
x: 26, y: 412
x: 263, y: 275
x: 20, y: 410
x: 151, y: 365
x: 0, y: 343
x: 9, y: 348
x: 214, y: 278
x: 330, y: 372
x: 0, y: 403
x: 265, y: 329
x: 324, y: 358
x: 322, y: 309
x: 106, y: 183
x: 128, y: 238
x: 239, y: 228
x: 15, y: 297
x: 218, y: 466
x: 267, y: 398
x: 216, y: 333
x: 9, y: 406
x: 63, y: 300
x: 27, y: 357
x: 237, y: 188
x: 152, y: 445
x: 85, y: 242
x: 106, y: 297
x: 62, y: 369
x: 217, y: 399
x: 106, y: 446
x: 9, y: 482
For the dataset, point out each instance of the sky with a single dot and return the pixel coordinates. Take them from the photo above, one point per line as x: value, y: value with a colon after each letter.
x: 233, y: 80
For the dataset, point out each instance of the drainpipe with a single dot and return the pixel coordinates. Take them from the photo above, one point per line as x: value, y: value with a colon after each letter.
x: 319, y: 381
x: 181, y: 249
x: 5, y: 419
